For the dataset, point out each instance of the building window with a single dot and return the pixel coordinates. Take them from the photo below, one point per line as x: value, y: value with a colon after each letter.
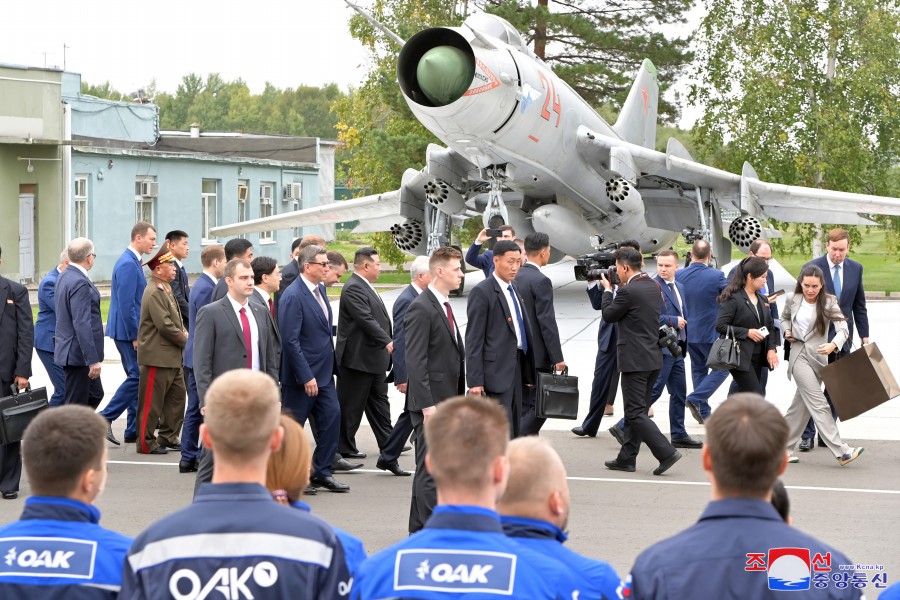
x: 81, y: 206
x: 266, y: 191
x: 209, y: 200
x: 146, y: 189
x: 242, y: 198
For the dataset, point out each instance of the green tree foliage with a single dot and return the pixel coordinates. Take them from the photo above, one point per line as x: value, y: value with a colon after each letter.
x: 597, y: 46
x: 104, y: 90
x: 805, y: 90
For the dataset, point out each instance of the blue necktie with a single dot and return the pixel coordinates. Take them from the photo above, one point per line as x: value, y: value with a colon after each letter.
x: 519, y: 318
x: 837, y: 281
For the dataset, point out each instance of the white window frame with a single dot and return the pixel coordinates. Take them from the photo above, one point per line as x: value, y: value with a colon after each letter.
x: 209, y: 206
x: 143, y: 204
x: 242, y: 205
x: 81, y: 206
x: 266, y: 209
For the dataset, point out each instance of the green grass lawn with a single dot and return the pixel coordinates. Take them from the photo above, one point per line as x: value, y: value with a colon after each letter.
x: 104, y: 310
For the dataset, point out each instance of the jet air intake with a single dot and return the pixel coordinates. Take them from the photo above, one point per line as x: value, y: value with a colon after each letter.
x: 436, y: 67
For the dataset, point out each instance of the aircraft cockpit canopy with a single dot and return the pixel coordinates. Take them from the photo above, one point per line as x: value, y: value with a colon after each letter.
x: 497, y: 27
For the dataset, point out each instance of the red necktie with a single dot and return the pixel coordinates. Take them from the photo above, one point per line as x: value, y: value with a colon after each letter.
x: 272, y: 308
x: 248, y: 344
x: 450, y: 317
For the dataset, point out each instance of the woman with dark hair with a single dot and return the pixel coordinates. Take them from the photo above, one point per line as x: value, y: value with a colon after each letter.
x: 807, y: 317
x: 744, y: 310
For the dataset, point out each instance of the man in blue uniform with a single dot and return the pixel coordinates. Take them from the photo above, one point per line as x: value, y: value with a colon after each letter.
x: 744, y: 548
x: 234, y: 534
x: 462, y: 549
x: 535, y: 512
x: 58, y: 549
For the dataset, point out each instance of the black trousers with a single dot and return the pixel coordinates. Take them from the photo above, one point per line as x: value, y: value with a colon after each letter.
x: 749, y: 381
x: 511, y: 399
x: 10, y: 457
x: 424, y: 493
x: 530, y: 423
x: 360, y: 392
x: 397, y: 439
x: 637, y: 390
x: 81, y: 389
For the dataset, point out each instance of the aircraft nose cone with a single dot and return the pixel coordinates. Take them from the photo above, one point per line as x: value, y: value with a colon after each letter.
x: 444, y: 74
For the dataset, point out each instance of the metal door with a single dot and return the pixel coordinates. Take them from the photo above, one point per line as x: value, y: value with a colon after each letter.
x: 26, y: 237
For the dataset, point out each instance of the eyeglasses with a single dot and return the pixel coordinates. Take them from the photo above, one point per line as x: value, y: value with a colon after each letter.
x: 92, y: 254
x: 321, y: 264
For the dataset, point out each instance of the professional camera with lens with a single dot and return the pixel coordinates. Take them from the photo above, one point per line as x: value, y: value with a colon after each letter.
x: 590, y: 267
x: 668, y: 338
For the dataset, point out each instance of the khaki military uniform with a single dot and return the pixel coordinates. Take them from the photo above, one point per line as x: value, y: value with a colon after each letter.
x: 161, y: 341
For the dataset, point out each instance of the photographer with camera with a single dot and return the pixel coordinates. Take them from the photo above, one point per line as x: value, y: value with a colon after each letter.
x: 636, y: 309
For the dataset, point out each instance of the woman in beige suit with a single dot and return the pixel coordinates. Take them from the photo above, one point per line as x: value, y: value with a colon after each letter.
x: 806, y: 319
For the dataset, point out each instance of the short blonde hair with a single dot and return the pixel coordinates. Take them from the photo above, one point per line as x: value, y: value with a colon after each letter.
x: 288, y: 468
x: 527, y: 456
x: 242, y: 408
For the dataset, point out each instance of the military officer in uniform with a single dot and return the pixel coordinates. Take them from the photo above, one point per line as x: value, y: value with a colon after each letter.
x: 161, y: 341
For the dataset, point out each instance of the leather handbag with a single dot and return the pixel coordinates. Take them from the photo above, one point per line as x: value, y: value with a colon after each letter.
x: 725, y: 354
x: 557, y: 395
x: 859, y: 381
x: 18, y: 410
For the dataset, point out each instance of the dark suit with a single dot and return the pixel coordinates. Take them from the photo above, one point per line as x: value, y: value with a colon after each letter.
x: 741, y: 315
x: 493, y: 360
x: 363, y: 332
x: 702, y: 284
x: 79, y: 336
x: 220, y: 291
x: 435, y: 354
x: 289, y: 273
x: 606, y: 372
x: 16, y: 345
x: 853, y: 305
x: 636, y: 310
x: 128, y: 283
x: 537, y: 291
x: 773, y: 308
x: 308, y: 353
x: 218, y: 346
x: 403, y: 427
x: 45, y: 330
x: 483, y: 261
x: 182, y: 291
x: 201, y: 295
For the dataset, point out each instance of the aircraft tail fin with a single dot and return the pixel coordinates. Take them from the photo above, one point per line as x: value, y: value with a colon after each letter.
x: 637, y: 121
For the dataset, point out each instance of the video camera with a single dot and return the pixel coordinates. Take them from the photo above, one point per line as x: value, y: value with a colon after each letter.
x: 589, y: 267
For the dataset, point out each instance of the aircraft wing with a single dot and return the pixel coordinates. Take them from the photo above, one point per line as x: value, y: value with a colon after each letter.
x: 783, y: 202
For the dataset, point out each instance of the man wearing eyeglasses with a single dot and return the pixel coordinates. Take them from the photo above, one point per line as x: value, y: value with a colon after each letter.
x: 308, y: 364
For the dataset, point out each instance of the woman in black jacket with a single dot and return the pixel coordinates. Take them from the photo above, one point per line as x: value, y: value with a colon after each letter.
x: 745, y: 310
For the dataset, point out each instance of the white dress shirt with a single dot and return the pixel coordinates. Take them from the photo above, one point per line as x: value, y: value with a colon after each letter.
x: 512, y: 307
x: 254, y: 328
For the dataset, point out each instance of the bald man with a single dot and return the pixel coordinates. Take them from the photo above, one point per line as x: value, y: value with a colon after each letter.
x: 535, y: 511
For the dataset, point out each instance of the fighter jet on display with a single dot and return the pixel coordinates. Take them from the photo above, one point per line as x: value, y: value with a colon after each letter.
x: 523, y: 148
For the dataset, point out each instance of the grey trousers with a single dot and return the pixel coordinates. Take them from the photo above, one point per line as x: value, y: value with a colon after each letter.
x: 810, y: 401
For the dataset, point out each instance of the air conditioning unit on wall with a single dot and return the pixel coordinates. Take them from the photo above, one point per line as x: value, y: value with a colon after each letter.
x: 150, y: 189
x: 293, y: 191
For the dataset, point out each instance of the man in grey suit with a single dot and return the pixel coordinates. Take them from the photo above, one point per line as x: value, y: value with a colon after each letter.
x: 435, y: 353
x: 226, y: 337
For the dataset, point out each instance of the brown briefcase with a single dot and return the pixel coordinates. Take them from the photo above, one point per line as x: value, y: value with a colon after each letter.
x: 859, y: 381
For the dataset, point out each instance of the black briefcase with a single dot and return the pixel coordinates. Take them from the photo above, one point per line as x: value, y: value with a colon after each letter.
x: 18, y: 410
x: 557, y: 395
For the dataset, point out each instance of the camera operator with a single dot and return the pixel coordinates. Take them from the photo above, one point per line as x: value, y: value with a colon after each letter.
x: 636, y: 310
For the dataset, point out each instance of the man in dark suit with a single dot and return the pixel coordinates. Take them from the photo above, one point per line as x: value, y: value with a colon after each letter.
x: 498, y: 335
x: 537, y: 291
x: 702, y: 284
x: 227, y: 338
x: 485, y: 260
x: 363, y: 352
x: 234, y: 248
x: 435, y: 353
x: 178, y: 246
x: 291, y: 271
x: 761, y: 249
x: 212, y: 258
x: 843, y: 279
x: 636, y: 310
x: 266, y: 278
x: 79, y: 329
x: 128, y: 283
x: 45, y: 329
x: 388, y: 460
x: 308, y: 364
x: 673, y: 313
x: 16, y: 347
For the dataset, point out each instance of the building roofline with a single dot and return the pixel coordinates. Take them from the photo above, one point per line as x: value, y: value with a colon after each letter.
x: 194, y: 156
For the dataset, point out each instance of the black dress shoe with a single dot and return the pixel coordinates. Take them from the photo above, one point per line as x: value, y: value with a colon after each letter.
x: 393, y: 467
x: 329, y: 484
x: 579, y: 431
x: 310, y: 491
x: 10, y: 495
x: 110, y: 436
x: 342, y: 464
x: 806, y: 445
x: 130, y: 440
x: 159, y: 450
x: 687, y: 442
x: 356, y: 455
x: 618, y: 433
x: 406, y: 448
x: 667, y: 463
x: 187, y: 466
x: 695, y: 412
x: 173, y: 447
x: 615, y: 465
x: 821, y: 442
